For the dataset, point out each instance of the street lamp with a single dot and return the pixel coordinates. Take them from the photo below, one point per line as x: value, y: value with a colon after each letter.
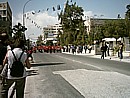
x: 24, y: 10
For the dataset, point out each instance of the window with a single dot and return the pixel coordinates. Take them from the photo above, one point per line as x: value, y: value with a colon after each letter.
x: 0, y: 5
x: 0, y: 12
x: 4, y: 12
x: 4, y: 18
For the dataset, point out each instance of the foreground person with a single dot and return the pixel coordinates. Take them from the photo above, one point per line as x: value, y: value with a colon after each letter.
x: 18, y: 80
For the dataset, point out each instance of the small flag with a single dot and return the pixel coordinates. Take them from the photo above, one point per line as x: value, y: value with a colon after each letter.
x: 47, y: 9
x: 38, y: 11
x: 33, y: 13
x: 58, y: 7
x: 53, y: 8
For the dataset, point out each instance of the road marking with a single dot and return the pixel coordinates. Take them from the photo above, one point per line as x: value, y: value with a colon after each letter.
x: 80, y: 62
x: 98, y: 84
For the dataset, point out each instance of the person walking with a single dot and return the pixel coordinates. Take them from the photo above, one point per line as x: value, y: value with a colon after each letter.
x: 19, y: 81
x: 103, y: 49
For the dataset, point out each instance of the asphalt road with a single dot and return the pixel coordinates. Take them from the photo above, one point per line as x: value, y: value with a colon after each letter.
x: 57, y: 75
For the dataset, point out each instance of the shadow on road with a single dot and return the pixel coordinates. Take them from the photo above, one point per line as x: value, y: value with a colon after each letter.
x: 46, y: 64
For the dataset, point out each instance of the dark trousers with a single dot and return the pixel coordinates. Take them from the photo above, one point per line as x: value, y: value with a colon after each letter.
x: 121, y: 55
x: 19, y: 86
x: 102, y: 54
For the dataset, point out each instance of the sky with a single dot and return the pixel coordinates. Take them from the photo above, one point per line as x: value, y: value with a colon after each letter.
x: 42, y: 17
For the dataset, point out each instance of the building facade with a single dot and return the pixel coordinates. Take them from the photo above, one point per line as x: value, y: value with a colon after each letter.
x: 5, y: 19
x: 50, y: 33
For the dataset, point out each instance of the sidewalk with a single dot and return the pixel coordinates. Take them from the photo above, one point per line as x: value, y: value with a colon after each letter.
x: 126, y: 56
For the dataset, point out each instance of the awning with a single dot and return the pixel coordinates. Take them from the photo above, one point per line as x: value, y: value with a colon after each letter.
x: 111, y: 39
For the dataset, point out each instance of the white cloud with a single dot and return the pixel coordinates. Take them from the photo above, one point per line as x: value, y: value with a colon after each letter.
x: 42, y: 19
x: 88, y: 13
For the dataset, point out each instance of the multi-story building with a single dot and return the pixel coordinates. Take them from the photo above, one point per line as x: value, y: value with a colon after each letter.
x: 51, y: 32
x: 5, y: 19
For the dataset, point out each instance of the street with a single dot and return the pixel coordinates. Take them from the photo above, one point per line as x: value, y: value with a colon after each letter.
x: 61, y: 75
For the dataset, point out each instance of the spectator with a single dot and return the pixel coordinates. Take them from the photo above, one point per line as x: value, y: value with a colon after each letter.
x: 73, y: 49
x: 89, y: 48
x: 108, y: 47
x: 3, y: 51
x: 121, y: 51
x: 85, y: 48
x: 103, y: 49
x: 19, y: 81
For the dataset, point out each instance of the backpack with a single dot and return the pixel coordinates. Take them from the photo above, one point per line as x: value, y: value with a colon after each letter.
x: 17, y: 68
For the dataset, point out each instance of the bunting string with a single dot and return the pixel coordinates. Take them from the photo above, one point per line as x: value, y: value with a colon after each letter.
x: 53, y: 8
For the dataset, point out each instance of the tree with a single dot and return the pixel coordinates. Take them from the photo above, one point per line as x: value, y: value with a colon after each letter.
x: 39, y: 40
x: 127, y: 20
x: 128, y: 11
x: 72, y: 23
x: 115, y: 28
x: 18, y: 31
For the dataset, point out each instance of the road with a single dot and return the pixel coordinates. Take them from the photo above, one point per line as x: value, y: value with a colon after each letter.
x: 73, y: 76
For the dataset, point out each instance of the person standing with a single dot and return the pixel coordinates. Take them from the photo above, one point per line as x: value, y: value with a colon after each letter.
x: 85, y: 48
x: 90, y: 48
x: 121, y: 51
x: 103, y: 49
x: 19, y: 81
x: 105, y: 52
x: 3, y: 51
x: 108, y: 48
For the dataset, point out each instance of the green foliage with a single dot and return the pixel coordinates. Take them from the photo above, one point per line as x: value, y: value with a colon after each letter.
x: 127, y: 20
x: 49, y: 43
x: 114, y: 28
x: 72, y: 23
x: 18, y: 31
x: 39, y: 40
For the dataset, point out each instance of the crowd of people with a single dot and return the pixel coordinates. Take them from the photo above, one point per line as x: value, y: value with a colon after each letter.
x: 77, y: 49
x: 104, y: 49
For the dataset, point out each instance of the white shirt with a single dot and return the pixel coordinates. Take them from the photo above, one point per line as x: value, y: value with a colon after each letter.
x: 8, y: 47
x: 10, y: 57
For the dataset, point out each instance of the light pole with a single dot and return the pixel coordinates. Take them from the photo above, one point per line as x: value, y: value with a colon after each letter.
x: 24, y: 10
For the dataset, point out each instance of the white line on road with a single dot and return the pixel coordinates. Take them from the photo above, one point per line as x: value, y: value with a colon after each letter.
x: 81, y: 62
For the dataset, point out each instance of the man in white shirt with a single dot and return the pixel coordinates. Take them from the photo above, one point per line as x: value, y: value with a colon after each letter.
x: 19, y: 81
